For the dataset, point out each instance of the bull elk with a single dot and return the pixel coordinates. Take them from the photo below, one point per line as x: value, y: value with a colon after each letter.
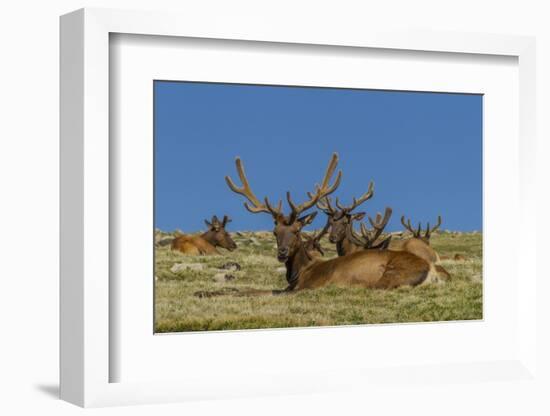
x: 206, y: 243
x: 342, y: 217
x: 366, y: 268
x: 419, y: 243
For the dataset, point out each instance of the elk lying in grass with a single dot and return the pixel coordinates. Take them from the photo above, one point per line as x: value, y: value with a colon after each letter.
x: 206, y: 243
x: 367, y: 268
x: 419, y: 243
x: 342, y: 217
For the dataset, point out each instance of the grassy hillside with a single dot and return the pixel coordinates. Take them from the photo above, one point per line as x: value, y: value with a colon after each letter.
x: 179, y: 277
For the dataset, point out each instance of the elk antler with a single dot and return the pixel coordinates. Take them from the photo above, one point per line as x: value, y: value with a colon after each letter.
x: 430, y: 231
x: 325, y: 205
x: 417, y: 233
x: 409, y: 227
x: 246, y: 191
x: 323, y: 231
x: 214, y: 222
x: 369, y: 237
x: 320, y: 191
x: 225, y: 220
x: 314, y: 240
x: 378, y: 226
x: 356, y: 202
x: 353, y: 236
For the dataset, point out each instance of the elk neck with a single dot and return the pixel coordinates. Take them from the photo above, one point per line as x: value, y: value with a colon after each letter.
x: 296, y: 263
x: 344, y: 247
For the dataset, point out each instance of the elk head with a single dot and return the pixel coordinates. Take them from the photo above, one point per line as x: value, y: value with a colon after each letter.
x: 217, y: 235
x: 287, y: 227
x: 342, y: 216
x: 417, y: 233
x: 368, y: 238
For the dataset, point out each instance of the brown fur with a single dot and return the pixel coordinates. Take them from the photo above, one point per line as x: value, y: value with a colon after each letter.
x: 442, y: 273
x: 341, y: 217
x: 380, y: 269
x: 338, y: 221
x: 195, y: 245
x: 206, y: 243
x: 419, y: 245
x: 416, y: 246
x: 345, y: 247
x: 422, y: 249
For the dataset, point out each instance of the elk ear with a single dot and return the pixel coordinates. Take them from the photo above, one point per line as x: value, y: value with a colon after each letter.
x: 358, y: 216
x: 209, y: 225
x: 306, y: 219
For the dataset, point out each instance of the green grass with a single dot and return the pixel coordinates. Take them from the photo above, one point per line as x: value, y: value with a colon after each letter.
x: 177, y: 309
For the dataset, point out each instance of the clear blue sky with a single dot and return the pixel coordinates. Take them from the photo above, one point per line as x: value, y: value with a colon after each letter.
x: 422, y: 150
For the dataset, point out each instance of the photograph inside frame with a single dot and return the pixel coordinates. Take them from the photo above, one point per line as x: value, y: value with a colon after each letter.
x: 290, y: 206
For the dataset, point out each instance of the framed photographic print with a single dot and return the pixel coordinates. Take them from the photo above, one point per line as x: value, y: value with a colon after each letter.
x: 258, y: 267
x: 269, y: 212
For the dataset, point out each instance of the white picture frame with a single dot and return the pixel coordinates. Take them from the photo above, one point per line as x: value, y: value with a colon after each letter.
x: 86, y: 356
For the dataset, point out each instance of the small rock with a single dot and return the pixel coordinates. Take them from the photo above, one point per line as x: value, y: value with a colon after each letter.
x: 253, y: 241
x: 180, y: 267
x: 230, y: 265
x: 219, y: 277
x: 223, y: 277
x: 280, y: 269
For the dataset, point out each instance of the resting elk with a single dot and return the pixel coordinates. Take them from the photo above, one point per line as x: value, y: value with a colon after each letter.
x: 342, y: 217
x: 419, y: 243
x: 366, y: 268
x: 206, y: 243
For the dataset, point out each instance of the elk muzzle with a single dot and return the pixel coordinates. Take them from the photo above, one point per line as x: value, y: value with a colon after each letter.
x: 232, y: 245
x: 282, y: 254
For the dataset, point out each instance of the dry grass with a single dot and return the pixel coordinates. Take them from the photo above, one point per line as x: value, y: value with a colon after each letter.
x: 177, y: 309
